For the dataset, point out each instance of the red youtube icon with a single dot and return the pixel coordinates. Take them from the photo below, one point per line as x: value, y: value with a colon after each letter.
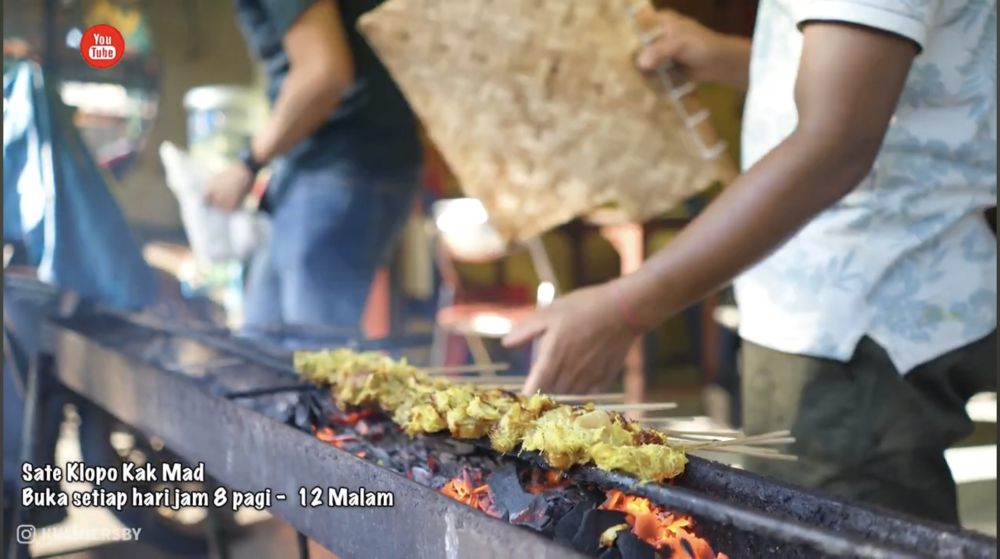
x: 102, y: 46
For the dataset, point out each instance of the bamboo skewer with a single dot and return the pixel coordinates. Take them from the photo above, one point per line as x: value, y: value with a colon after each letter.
x: 775, y: 437
x: 754, y: 452
x: 487, y: 368
x: 755, y: 445
x: 701, y: 443
x: 683, y: 434
x: 648, y: 406
x: 765, y: 439
x: 499, y: 379
x: 601, y: 397
x: 730, y: 442
x: 513, y: 387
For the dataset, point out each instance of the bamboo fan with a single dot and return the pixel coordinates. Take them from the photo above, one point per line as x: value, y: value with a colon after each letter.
x: 539, y: 109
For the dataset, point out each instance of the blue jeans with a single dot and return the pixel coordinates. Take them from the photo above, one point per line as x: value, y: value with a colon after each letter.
x: 331, y: 228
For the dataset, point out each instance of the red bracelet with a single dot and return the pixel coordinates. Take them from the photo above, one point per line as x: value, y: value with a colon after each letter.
x: 630, y: 319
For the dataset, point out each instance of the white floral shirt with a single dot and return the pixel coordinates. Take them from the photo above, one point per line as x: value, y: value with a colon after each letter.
x: 907, y: 258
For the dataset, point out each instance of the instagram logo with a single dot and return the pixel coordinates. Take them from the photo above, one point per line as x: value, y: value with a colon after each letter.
x: 25, y: 534
x: 102, y: 46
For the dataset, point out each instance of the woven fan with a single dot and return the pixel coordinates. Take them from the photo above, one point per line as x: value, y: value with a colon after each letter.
x: 539, y: 110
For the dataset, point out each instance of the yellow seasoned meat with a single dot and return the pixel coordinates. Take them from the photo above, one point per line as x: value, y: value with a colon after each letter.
x: 423, y: 418
x: 564, y: 435
x: 647, y: 462
x: 518, y: 419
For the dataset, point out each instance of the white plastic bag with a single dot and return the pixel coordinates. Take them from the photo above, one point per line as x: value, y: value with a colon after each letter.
x: 216, y: 236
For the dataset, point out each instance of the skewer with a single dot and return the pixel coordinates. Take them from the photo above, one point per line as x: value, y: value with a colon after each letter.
x: 774, y: 438
x: 602, y: 397
x: 678, y: 419
x: 690, y: 438
x: 699, y: 443
x: 647, y: 406
x: 459, y: 369
x: 499, y: 379
x: 743, y: 449
x: 754, y: 453
x: 672, y: 432
x: 513, y: 387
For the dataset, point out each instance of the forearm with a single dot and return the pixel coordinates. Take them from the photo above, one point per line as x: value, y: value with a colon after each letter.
x: 304, y: 103
x: 733, y: 64
x: 756, y: 214
x: 846, y: 91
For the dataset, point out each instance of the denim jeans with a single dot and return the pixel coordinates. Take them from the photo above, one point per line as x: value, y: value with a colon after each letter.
x: 331, y: 228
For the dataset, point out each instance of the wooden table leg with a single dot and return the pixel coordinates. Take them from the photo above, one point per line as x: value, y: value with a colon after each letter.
x: 627, y: 240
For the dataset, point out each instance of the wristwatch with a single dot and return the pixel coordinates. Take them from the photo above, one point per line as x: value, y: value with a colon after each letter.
x: 249, y: 161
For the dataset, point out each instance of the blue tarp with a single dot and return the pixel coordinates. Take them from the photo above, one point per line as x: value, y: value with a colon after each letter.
x: 60, y: 207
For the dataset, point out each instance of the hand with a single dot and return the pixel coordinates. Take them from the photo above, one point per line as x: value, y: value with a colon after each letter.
x: 228, y: 188
x: 702, y: 53
x: 584, y: 340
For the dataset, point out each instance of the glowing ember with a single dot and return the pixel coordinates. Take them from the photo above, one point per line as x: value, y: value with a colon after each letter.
x: 325, y: 434
x: 329, y: 436
x: 469, y: 488
x: 351, y: 418
x: 546, y: 480
x: 660, y: 529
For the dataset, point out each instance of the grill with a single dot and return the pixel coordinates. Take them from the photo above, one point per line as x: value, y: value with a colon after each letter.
x: 236, y: 406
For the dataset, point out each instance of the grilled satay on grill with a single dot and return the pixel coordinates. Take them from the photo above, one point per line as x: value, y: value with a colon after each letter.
x: 564, y: 435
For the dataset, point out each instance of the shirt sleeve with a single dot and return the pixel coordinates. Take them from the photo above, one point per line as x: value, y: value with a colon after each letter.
x: 911, y: 19
x: 283, y: 13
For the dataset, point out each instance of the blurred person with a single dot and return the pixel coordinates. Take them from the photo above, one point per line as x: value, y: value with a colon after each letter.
x: 865, y: 269
x: 345, y: 156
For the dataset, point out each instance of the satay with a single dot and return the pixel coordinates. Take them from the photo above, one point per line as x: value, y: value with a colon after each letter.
x: 565, y: 436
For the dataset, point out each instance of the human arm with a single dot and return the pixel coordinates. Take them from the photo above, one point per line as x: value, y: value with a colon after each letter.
x: 848, y: 84
x: 320, y: 70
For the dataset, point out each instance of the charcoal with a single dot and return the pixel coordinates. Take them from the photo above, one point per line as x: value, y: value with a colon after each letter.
x: 536, y: 516
x: 421, y: 475
x: 506, y: 490
x: 363, y: 428
x: 569, y: 515
x: 595, y: 522
x: 315, y: 407
x: 631, y: 547
x: 437, y: 482
x: 377, y: 453
x: 459, y: 448
x: 302, y: 419
x: 283, y: 413
x: 688, y: 547
x: 567, y: 526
